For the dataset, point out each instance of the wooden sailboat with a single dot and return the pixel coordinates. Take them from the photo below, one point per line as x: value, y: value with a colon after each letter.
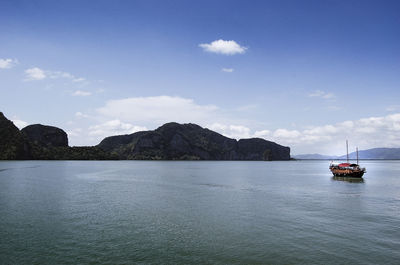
x: 347, y: 169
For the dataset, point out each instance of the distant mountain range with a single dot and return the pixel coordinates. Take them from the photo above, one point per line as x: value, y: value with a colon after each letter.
x: 374, y: 153
x: 314, y: 156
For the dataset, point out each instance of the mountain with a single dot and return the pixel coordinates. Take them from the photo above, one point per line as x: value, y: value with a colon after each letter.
x: 51, y: 143
x: 314, y: 156
x: 13, y: 145
x: 46, y: 135
x: 42, y: 142
x: 174, y: 141
x: 374, y: 153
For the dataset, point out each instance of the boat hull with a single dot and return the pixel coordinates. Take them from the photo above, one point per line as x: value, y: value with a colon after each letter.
x: 348, y: 173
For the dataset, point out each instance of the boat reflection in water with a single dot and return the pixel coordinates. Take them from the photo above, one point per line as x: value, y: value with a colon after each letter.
x: 348, y: 179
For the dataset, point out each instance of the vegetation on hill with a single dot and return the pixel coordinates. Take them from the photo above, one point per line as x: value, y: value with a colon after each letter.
x: 172, y: 141
x: 42, y: 142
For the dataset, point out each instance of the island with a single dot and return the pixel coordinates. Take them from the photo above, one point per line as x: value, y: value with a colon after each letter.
x: 171, y: 141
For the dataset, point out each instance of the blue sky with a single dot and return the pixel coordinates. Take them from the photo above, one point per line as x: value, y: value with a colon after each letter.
x: 307, y: 74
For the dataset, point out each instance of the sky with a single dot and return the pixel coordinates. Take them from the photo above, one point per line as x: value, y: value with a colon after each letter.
x: 305, y: 74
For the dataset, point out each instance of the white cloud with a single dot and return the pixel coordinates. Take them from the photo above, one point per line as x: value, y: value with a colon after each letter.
x: 393, y: 108
x: 262, y: 134
x: 8, y: 63
x: 328, y: 95
x: 35, y: 74
x: 231, y: 131
x: 327, y: 129
x: 74, y: 132
x: 20, y: 124
x: 321, y: 94
x: 227, y: 70
x: 239, y: 131
x: 227, y: 47
x: 157, y: 110
x: 59, y: 74
x: 81, y: 93
x: 347, y: 124
x: 247, y: 107
x: 217, y: 127
x: 113, y: 127
x: 80, y: 79
x: 288, y: 135
x: 81, y: 115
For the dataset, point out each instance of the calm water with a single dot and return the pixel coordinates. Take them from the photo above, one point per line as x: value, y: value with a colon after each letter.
x: 123, y: 212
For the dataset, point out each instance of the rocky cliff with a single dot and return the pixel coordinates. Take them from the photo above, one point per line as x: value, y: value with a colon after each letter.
x: 174, y: 141
x: 13, y: 145
x: 42, y: 142
x: 47, y: 136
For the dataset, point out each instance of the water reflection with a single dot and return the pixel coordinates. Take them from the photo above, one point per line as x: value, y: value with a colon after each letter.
x: 348, y: 179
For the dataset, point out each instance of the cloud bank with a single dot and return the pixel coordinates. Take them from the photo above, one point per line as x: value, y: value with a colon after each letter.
x: 327, y: 139
x: 127, y: 115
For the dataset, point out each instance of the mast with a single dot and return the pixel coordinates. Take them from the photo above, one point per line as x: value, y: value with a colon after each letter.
x: 357, y: 154
x: 347, y: 151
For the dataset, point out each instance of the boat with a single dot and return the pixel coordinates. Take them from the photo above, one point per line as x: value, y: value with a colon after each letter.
x: 347, y: 169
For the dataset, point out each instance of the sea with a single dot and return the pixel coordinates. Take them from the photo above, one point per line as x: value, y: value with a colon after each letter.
x: 197, y: 212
